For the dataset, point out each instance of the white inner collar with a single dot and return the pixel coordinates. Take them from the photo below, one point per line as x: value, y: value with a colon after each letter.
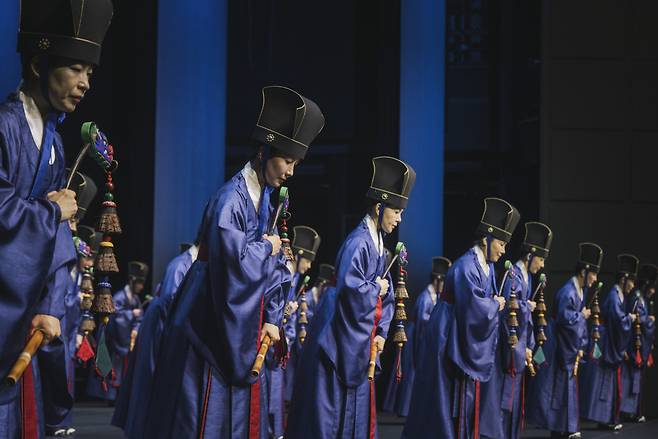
x: 578, y: 288
x: 35, y: 122
x: 481, y: 259
x: 524, y: 270
x: 374, y: 234
x: 432, y: 291
x: 253, y: 186
x: 193, y: 251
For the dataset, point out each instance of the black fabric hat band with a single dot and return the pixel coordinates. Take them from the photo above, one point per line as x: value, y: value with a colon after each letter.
x: 59, y: 45
x: 389, y: 198
x: 284, y: 144
x: 494, y: 231
x: 535, y: 250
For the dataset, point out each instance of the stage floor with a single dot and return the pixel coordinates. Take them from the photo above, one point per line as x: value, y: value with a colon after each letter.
x: 92, y: 421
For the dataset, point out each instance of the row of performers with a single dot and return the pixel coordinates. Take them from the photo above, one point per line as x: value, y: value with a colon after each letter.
x: 470, y: 354
x: 480, y: 364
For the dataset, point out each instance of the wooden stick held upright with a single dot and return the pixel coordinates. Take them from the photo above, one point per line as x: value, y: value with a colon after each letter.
x: 24, y: 358
x: 283, y: 215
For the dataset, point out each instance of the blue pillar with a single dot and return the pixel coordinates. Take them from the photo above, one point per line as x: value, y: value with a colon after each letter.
x: 190, y: 119
x: 10, y: 73
x: 422, y: 115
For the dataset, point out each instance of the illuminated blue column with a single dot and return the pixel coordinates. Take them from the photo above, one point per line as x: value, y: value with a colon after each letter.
x: 422, y: 115
x: 10, y: 73
x: 190, y: 119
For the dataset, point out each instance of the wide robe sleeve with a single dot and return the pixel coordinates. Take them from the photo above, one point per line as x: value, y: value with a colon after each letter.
x: 617, y: 329
x: 570, y: 326
x: 474, y: 331
x: 246, y: 285
x: 347, y: 341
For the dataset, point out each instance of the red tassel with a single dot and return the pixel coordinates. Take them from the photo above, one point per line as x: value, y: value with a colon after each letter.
x: 85, y: 352
x: 398, y: 366
x: 638, y: 359
x: 104, y: 386
x: 650, y: 360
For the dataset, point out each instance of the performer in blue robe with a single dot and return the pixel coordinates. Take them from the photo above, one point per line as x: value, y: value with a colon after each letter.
x: 506, y: 389
x: 398, y: 394
x: 36, y: 252
x: 57, y: 360
x: 634, y: 369
x: 305, y: 245
x: 600, y: 380
x: 553, y: 394
x: 325, y: 279
x: 135, y: 389
x: 275, y: 375
x: 232, y: 296
x: 459, y: 349
x: 121, y: 331
x: 332, y: 396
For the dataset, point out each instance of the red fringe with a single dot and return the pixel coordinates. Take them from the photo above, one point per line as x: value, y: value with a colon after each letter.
x: 398, y: 366
x: 650, y: 360
x: 476, y: 414
x: 638, y: 358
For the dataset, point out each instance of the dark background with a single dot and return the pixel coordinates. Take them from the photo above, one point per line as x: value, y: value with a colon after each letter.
x: 550, y: 105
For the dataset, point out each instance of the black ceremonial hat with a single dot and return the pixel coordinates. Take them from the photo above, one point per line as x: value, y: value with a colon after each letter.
x: 440, y: 266
x: 66, y: 28
x: 91, y: 237
x: 326, y: 272
x: 392, y: 181
x: 305, y: 242
x: 538, y: 239
x: 647, y: 275
x: 591, y: 256
x: 85, y: 190
x: 288, y: 121
x: 628, y: 265
x: 499, y: 219
x: 138, y: 270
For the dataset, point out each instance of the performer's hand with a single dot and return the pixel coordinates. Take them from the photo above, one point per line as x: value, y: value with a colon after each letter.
x: 380, y: 342
x: 633, y: 317
x: 137, y: 312
x: 293, y: 306
x: 532, y: 305
x: 652, y: 318
x: 383, y: 285
x: 78, y: 341
x: 275, y: 241
x: 65, y: 199
x: 49, y: 325
x: 586, y: 312
x: 501, y: 302
x: 271, y: 330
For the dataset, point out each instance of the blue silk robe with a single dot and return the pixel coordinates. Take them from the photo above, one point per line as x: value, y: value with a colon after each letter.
x: 502, y: 395
x: 296, y: 347
x: 136, y: 389
x: 57, y: 362
x: 398, y: 395
x: 459, y: 348
x: 632, y: 375
x: 35, y: 244
x: 121, y: 324
x: 202, y: 385
x: 276, y: 375
x: 553, y: 394
x: 600, y: 381
x: 332, y: 397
